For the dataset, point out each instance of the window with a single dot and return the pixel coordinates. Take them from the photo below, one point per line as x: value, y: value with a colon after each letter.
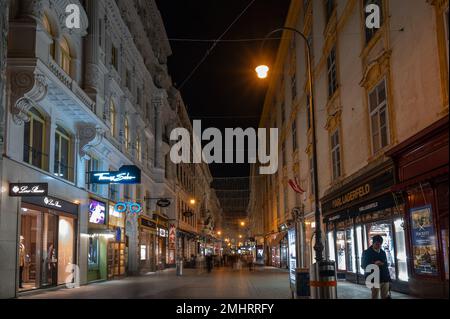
x: 331, y: 246
x: 126, y: 131
x: 114, y: 191
x: 138, y: 149
x: 311, y: 175
x: 350, y: 242
x: 93, y: 165
x: 62, y: 154
x: 48, y: 29
x: 100, y: 32
x: 294, y: 135
x: 65, y: 59
x: 400, y: 243
x: 332, y: 74
x: 329, y: 8
x: 336, y: 154
x: 114, y: 58
x: 112, y: 117
x: 128, y: 80
x: 127, y: 191
x: 93, y: 253
x: 379, y: 117
x: 143, y: 252
x: 33, y: 148
x: 370, y: 33
x: 294, y: 85
x: 341, y: 247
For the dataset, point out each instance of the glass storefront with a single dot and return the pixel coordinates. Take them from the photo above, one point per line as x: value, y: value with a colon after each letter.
x: 46, y: 247
x: 384, y: 229
x: 116, y: 247
x: 340, y: 248
x: 350, y: 244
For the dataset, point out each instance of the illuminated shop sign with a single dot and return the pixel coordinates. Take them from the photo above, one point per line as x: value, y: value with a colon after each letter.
x: 97, y: 212
x: 53, y: 203
x: 162, y: 232
x: 130, y: 207
x: 28, y: 189
x: 127, y: 174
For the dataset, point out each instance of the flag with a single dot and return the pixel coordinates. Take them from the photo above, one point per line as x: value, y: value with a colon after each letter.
x: 296, y: 186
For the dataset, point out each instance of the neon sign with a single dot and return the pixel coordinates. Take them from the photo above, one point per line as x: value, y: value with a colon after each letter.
x: 127, y: 174
x: 132, y: 208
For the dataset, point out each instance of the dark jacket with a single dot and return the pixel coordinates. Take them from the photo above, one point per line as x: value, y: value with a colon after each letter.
x: 370, y: 256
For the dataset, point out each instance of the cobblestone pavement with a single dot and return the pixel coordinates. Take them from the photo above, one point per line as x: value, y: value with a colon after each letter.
x: 222, y: 283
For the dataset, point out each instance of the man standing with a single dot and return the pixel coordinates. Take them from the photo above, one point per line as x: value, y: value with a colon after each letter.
x: 374, y: 255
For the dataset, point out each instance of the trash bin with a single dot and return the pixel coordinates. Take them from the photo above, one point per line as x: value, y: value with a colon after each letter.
x: 180, y: 267
x: 302, y: 282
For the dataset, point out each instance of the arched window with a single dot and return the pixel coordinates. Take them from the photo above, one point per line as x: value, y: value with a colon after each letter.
x: 48, y: 29
x: 138, y: 149
x: 34, y: 136
x: 112, y: 117
x: 65, y: 59
x: 126, y: 131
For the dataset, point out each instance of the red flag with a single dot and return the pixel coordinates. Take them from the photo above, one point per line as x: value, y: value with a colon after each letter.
x: 296, y: 186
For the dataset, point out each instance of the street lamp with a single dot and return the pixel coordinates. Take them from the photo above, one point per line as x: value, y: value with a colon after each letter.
x: 262, y: 71
x: 242, y: 223
x: 192, y: 201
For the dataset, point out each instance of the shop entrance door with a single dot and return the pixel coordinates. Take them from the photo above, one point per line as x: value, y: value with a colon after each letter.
x: 37, y: 250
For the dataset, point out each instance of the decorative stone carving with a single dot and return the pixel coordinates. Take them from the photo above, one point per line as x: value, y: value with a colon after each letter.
x: 89, y: 136
x: 26, y: 90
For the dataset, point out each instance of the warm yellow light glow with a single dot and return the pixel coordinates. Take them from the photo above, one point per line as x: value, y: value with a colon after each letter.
x: 240, y: 236
x: 242, y: 223
x: 262, y: 71
x: 192, y: 201
x: 219, y: 233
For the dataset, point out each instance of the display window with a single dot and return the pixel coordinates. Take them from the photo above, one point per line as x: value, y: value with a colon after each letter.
x: 402, y: 263
x: 341, y: 250
x: 46, y: 247
x: 384, y: 229
x: 361, y: 244
x: 331, y: 246
x: 350, y: 244
x: 93, y: 255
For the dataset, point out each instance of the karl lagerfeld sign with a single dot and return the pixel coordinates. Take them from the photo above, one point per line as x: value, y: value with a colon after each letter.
x: 28, y: 189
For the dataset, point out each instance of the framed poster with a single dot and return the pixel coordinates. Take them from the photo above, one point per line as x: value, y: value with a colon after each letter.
x: 423, y: 241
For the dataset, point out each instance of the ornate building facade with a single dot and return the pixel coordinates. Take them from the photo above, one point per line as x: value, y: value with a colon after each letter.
x: 73, y: 101
x: 379, y: 95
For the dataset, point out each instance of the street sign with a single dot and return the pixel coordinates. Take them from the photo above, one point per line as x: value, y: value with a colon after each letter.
x: 163, y: 202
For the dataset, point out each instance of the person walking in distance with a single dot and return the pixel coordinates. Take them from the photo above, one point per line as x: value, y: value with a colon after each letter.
x: 374, y: 255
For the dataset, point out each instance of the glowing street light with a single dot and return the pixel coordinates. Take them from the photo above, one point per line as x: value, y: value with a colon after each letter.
x: 240, y: 236
x: 219, y: 233
x: 262, y: 71
x: 242, y: 223
x: 192, y: 201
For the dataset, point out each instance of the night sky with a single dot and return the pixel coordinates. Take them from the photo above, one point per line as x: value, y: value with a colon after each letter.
x: 224, y: 91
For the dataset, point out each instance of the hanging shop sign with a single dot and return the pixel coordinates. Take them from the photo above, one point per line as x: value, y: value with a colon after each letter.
x: 28, y: 189
x: 53, y: 203
x: 127, y: 174
x: 163, y: 202
x: 162, y: 232
x: 130, y: 207
x: 424, y: 241
x: 147, y: 223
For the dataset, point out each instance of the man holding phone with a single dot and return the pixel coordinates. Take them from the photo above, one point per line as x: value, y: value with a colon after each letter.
x: 374, y: 255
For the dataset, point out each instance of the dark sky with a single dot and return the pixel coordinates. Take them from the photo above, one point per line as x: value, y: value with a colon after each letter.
x: 224, y: 91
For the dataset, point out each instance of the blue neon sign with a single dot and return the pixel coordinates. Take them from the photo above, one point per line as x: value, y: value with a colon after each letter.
x: 127, y: 174
x: 132, y: 208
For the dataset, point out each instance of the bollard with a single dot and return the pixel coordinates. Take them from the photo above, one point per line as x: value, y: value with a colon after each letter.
x: 323, y: 280
x: 180, y: 267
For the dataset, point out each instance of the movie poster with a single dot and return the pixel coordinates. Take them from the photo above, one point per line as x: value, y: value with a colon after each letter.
x: 424, y: 241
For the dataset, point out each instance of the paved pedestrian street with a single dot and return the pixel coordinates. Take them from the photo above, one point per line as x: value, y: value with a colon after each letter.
x: 221, y: 283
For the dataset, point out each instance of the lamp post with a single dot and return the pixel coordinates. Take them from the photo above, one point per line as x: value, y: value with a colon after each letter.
x: 320, y: 264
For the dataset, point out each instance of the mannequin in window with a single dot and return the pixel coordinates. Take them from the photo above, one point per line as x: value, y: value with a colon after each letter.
x: 21, y: 260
